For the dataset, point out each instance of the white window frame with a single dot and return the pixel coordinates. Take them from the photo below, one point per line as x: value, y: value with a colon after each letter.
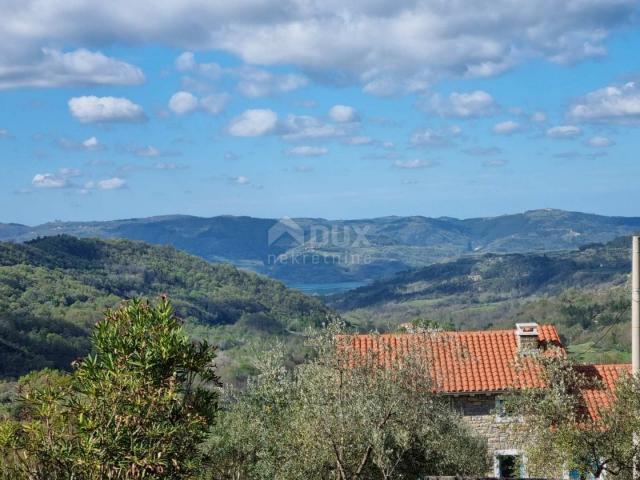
x: 509, y: 453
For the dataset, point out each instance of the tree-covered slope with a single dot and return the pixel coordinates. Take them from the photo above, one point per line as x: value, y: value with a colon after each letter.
x: 366, y: 249
x: 53, y: 289
x: 584, y: 292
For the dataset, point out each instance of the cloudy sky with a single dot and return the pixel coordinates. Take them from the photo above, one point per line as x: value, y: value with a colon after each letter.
x: 339, y: 109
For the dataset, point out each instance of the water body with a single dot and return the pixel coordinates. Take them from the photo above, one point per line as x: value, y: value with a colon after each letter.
x: 325, y: 288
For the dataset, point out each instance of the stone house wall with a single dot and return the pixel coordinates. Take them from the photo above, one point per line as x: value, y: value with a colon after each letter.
x: 479, y: 412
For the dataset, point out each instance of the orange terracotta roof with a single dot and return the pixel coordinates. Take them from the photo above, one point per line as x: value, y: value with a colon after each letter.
x: 599, y: 396
x: 463, y: 362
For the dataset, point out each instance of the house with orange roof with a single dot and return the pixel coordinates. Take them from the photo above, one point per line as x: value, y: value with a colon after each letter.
x: 476, y: 369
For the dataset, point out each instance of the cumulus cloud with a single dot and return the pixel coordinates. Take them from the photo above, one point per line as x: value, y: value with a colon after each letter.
x: 186, y: 61
x: 616, y: 104
x: 307, y: 151
x: 412, y: 164
x: 253, y: 123
x: 461, y: 104
x: 599, y: 141
x: 506, y: 127
x: 181, y: 103
x: 54, y: 68
x: 92, y: 109
x: 564, y: 131
x: 60, y: 179
x: 346, y: 40
x: 343, y: 114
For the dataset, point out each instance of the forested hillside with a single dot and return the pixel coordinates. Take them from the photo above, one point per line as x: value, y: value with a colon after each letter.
x: 52, y: 290
x: 367, y: 249
x: 584, y: 292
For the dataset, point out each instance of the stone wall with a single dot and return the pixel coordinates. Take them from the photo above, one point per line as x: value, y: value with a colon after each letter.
x: 479, y: 412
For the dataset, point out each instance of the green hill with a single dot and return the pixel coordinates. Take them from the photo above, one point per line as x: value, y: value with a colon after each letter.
x: 585, y: 292
x: 52, y: 290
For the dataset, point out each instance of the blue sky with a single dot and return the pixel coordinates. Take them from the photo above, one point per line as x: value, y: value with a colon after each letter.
x: 298, y: 108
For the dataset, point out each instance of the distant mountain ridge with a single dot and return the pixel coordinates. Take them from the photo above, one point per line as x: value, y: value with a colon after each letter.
x: 392, y: 243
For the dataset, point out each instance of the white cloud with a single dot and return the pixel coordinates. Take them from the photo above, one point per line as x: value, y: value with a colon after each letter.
x: 186, y: 61
x: 113, y: 183
x: 359, y: 140
x: 4, y: 133
x: 54, y: 68
x: 307, y: 151
x: 240, y: 180
x: 599, y: 141
x: 49, y: 180
x: 564, y: 131
x: 145, y: 152
x: 343, y: 114
x: 412, y: 164
x: 303, y: 168
x: 92, y: 143
x: 506, y: 127
x: 61, y: 179
x: 92, y: 109
x: 423, y: 138
x: 348, y: 40
x: 182, y: 103
x: 307, y: 127
x: 538, y: 117
x: 253, y: 123
x: 255, y: 82
x: 616, y: 104
x: 461, y: 104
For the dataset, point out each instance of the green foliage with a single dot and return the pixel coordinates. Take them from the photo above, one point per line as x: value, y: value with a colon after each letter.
x: 560, y: 432
x: 583, y: 292
x: 53, y: 290
x: 138, y: 407
x: 340, y: 416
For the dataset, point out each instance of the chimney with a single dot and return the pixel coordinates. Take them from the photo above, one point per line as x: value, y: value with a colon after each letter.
x: 635, y: 304
x: 527, y: 336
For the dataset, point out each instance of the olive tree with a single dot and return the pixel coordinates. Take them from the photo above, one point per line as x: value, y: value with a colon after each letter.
x: 137, y: 407
x: 564, y: 432
x: 343, y: 415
